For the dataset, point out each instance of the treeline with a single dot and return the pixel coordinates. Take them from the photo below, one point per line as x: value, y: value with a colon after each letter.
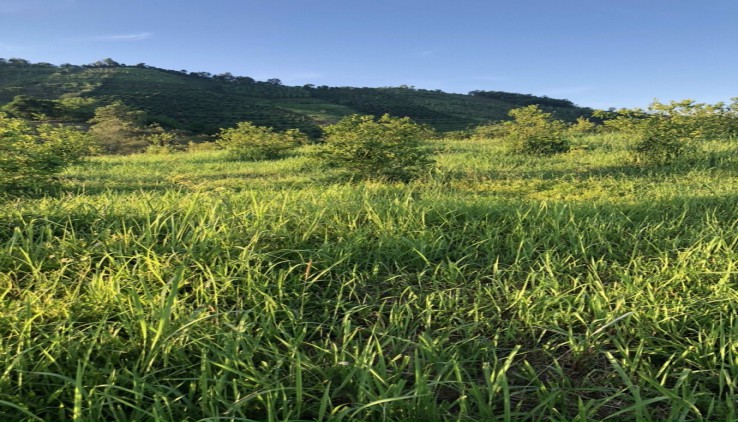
x: 203, y: 103
x: 523, y: 99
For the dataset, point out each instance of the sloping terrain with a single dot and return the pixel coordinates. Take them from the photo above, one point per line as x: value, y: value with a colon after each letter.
x: 203, y: 103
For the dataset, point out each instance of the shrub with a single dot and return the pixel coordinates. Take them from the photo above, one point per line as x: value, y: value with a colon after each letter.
x: 534, y: 132
x: 119, y: 129
x: 491, y: 131
x: 582, y: 126
x: 31, y: 157
x: 666, y: 133
x: 162, y: 142
x: 388, y: 148
x: 662, y: 140
x: 249, y: 142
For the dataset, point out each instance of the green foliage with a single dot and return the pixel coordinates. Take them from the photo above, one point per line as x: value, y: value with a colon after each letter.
x: 202, y: 146
x: 192, y: 287
x: 458, y: 135
x: 491, y: 131
x: 388, y: 148
x: 524, y: 99
x: 26, y: 107
x: 667, y: 133
x: 162, y: 141
x: 31, y: 156
x: 77, y: 108
x: 582, y: 126
x: 203, y: 103
x: 535, y: 132
x: 249, y: 142
x: 119, y: 129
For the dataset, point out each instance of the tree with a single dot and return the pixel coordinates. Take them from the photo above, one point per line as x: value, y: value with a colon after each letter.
x: 534, y: 132
x: 388, y: 148
x: 32, y: 156
x: 19, y: 62
x: 582, y: 126
x: 27, y: 107
x: 161, y: 141
x: 106, y: 63
x: 226, y: 77
x: 119, y: 128
x: 668, y: 132
x: 77, y: 108
x: 250, y: 142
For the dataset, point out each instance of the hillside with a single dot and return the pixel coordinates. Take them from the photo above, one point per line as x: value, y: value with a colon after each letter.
x: 204, y: 103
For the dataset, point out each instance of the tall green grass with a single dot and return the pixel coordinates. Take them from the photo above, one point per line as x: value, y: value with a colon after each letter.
x: 189, y: 287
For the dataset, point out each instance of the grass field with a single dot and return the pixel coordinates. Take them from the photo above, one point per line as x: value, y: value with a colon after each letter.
x: 501, y: 287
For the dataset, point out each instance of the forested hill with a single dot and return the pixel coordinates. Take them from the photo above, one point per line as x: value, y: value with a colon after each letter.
x: 204, y: 103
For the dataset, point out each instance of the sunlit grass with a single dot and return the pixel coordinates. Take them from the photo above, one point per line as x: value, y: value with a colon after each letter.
x: 190, y: 287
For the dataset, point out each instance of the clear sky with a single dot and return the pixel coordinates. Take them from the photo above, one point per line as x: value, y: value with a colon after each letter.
x: 597, y: 53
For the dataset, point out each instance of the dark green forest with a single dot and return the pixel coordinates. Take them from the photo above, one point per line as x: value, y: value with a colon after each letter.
x: 203, y: 103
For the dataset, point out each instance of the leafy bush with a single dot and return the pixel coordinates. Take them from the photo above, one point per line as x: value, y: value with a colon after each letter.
x: 27, y: 107
x: 491, y: 131
x: 582, y: 126
x: 387, y: 148
x: 119, y: 129
x: 535, y: 132
x: 163, y: 142
x: 666, y: 133
x: 30, y: 157
x: 249, y: 142
x: 662, y: 143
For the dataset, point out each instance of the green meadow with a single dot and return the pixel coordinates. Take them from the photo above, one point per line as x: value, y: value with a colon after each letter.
x: 188, y: 286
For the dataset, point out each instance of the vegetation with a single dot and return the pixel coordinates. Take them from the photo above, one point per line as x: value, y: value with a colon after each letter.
x: 27, y: 107
x: 388, y: 148
x: 119, y: 129
x: 32, y: 156
x: 581, y: 285
x: 534, y: 132
x: 202, y: 103
x: 668, y: 133
x: 249, y: 142
x: 190, y: 286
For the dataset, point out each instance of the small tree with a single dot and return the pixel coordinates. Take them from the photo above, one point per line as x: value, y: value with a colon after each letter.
x: 161, y: 141
x: 119, y: 128
x: 535, y: 132
x: 386, y: 148
x: 27, y: 107
x: 31, y: 157
x: 661, y: 141
x: 249, y: 142
x: 582, y: 126
x: 666, y: 133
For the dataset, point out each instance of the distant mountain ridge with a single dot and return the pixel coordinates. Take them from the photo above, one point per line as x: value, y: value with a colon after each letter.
x: 203, y: 103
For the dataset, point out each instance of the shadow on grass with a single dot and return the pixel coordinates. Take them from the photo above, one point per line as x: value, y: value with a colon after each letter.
x: 721, y: 161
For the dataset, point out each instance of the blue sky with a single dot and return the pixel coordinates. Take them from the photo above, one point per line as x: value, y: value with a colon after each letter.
x: 597, y: 53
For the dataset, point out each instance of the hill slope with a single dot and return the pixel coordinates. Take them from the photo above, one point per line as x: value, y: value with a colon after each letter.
x: 203, y: 103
